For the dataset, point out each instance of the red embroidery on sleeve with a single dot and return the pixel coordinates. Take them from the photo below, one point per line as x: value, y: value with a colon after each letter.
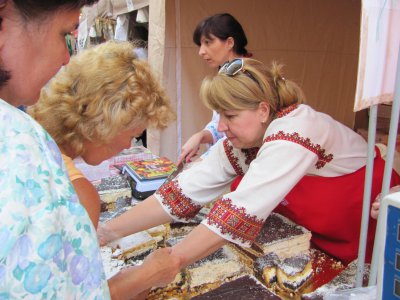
x: 179, y: 205
x: 306, y: 143
x: 234, y: 221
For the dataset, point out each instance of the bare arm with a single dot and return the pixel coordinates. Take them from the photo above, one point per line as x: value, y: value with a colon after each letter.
x: 198, y: 244
x: 89, y: 198
x: 142, y: 216
x: 158, y: 269
x: 191, y: 147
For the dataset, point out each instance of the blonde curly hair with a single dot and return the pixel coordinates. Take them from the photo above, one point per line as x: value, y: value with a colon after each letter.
x: 102, y: 91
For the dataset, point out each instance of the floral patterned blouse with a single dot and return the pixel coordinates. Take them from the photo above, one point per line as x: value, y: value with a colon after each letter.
x: 49, y: 248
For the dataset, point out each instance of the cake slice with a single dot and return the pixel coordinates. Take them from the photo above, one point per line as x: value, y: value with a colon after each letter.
x: 281, y: 236
x: 160, y: 233
x: 292, y: 273
x: 243, y: 288
x: 134, y: 245
x: 211, y: 271
x: 265, y: 268
x: 112, y: 188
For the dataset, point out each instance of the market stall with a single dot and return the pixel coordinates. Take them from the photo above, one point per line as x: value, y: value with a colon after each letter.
x: 316, y: 41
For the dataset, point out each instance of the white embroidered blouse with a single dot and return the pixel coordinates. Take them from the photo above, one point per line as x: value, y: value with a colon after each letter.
x: 301, y: 141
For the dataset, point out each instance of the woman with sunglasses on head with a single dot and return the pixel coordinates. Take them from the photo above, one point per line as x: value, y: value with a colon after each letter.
x: 48, y: 243
x: 220, y: 38
x: 294, y: 160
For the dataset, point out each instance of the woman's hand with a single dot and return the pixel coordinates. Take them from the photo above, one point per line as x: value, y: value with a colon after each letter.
x: 192, y: 146
x: 377, y: 202
x: 134, y: 282
x: 375, y: 209
x: 164, y: 265
x: 105, y: 235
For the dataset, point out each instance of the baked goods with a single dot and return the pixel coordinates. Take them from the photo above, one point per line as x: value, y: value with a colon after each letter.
x: 134, y: 245
x: 289, y: 274
x: 293, y: 272
x: 175, y: 290
x: 211, y: 271
x: 265, y: 268
x: 112, y: 188
x: 281, y: 236
x: 203, y: 275
x: 243, y: 288
x: 160, y: 233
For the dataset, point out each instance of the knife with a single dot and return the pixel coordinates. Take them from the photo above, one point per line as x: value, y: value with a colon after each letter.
x: 174, y: 173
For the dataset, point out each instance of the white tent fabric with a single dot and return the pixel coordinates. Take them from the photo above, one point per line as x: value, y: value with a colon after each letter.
x: 104, y: 8
x: 317, y: 41
x: 379, y: 46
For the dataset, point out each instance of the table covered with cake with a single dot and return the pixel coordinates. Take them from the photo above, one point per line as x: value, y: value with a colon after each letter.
x: 281, y: 264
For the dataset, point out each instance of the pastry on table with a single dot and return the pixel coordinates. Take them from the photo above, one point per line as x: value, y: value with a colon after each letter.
x: 265, y: 268
x: 242, y: 288
x: 281, y: 236
x: 134, y: 245
x: 112, y: 188
x: 294, y: 272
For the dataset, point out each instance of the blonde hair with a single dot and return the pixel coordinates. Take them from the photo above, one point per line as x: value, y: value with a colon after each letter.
x: 256, y: 83
x: 103, y: 90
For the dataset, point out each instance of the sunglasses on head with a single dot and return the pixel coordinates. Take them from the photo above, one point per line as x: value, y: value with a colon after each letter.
x: 233, y: 67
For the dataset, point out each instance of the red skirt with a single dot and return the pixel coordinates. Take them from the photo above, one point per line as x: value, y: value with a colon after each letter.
x: 331, y: 208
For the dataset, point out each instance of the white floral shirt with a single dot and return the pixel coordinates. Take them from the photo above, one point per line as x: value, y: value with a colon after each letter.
x: 48, y: 245
x: 212, y: 127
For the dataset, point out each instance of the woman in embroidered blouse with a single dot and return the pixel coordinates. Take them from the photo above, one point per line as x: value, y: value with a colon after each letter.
x: 294, y: 160
x: 220, y: 38
x: 49, y: 248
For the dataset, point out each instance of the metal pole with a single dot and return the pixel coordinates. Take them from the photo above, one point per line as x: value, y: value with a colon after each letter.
x: 378, y: 245
x: 367, y: 194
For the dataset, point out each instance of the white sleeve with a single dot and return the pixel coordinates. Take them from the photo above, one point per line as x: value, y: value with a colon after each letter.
x: 239, y: 215
x: 198, y: 185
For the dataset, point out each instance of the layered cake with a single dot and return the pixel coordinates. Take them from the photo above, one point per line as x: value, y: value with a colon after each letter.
x: 160, y: 233
x: 293, y: 272
x: 265, y: 268
x: 136, y: 245
x: 243, y: 288
x: 281, y: 236
x: 181, y: 229
x: 112, y: 188
x: 211, y: 271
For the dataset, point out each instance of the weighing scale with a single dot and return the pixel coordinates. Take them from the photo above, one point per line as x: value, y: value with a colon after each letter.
x: 388, y: 285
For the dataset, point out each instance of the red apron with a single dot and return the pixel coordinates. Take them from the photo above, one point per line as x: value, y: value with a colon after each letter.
x: 331, y: 208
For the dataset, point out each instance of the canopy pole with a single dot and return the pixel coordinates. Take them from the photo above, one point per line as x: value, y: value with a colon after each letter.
x: 394, y: 121
x: 367, y: 194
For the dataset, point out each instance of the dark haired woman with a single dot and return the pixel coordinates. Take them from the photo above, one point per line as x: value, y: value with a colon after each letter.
x: 220, y: 38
